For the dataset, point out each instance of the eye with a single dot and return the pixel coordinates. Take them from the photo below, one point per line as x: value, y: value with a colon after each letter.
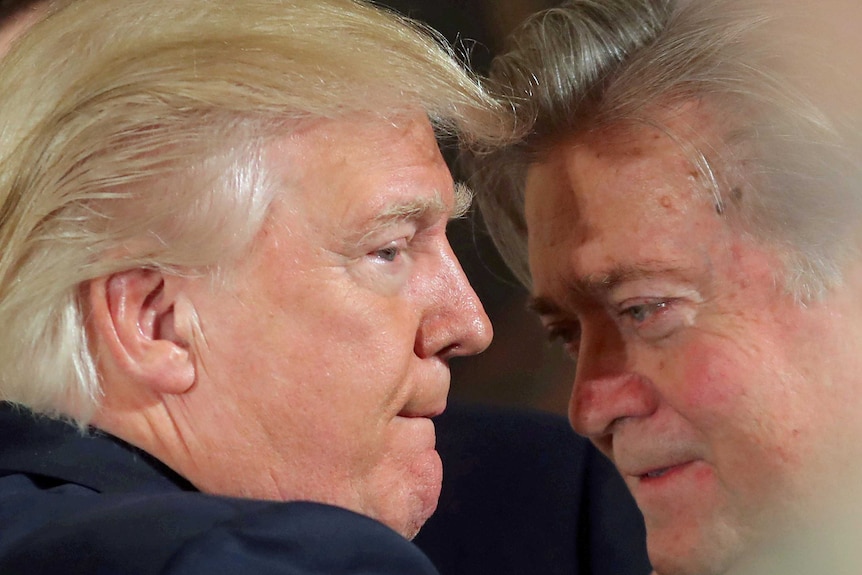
x: 655, y: 320
x: 642, y: 312
x: 390, y: 252
x: 568, y: 334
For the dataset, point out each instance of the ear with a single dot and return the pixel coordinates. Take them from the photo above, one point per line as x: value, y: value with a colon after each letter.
x: 133, y: 316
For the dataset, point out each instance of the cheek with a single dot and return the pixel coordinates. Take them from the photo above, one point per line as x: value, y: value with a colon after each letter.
x: 736, y: 402
x: 752, y: 417
x: 708, y: 387
x: 739, y: 368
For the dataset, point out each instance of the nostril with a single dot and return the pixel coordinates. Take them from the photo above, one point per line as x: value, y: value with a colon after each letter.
x: 436, y: 345
x: 449, y: 351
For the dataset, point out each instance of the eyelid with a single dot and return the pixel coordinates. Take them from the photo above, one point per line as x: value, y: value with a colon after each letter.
x: 400, y: 244
x: 653, y: 290
x: 665, y: 316
x: 382, y: 234
x: 565, y: 332
x: 653, y: 306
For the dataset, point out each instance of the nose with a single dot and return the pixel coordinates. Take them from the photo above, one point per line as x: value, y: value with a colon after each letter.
x: 454, y: 323
x: 607, y: 388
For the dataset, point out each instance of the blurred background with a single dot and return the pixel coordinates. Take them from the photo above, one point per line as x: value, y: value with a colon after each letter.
x: 520, y: 368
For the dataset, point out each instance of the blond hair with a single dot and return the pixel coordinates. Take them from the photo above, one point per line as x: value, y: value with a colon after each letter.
x: 131, y: 133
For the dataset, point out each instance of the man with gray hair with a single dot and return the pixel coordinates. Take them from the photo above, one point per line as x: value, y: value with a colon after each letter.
x: 683, y: 202
x: 223, y: 256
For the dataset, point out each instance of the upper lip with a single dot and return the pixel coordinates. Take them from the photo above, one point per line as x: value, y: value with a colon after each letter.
x: 429, y: 409
x: 639, y: 461
x: 639, y: 451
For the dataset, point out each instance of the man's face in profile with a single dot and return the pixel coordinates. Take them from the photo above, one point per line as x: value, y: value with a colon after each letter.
x: 324, y: 355
x: 327, y: 354
x: 720, y: 399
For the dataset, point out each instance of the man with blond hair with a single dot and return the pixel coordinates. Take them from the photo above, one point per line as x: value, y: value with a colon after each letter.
x: 223, y: 257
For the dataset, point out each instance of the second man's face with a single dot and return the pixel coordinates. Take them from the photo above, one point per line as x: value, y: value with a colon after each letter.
x: 697, y: 373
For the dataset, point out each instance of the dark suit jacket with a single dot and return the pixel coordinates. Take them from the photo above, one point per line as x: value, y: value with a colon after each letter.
x: 524, y: 495
x: 76, y: 505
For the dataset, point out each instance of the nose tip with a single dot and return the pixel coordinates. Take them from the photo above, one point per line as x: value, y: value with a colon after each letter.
x: 470, y: 328
x: 479, y: 332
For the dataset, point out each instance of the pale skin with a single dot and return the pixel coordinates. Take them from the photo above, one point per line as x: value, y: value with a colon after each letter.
x: 319, y: 364
x: 722, y: 401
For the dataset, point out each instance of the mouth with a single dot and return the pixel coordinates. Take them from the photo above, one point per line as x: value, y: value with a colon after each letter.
x: 660, y: 472
x: 656, y: 473
x: 417, y: 430
x: 425, y: 411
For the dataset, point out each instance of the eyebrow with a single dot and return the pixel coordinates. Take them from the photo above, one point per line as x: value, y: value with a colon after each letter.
x: 463, y: 200
x: 593, y: 285
x: 412, y: 209
x: 422, y: 207
x: 417, y: 208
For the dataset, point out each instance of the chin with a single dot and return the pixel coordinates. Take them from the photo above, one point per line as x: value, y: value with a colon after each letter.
x: 410, y: 525
x: 412, y: 530
x: 416, y: 502
x: 712, y: 553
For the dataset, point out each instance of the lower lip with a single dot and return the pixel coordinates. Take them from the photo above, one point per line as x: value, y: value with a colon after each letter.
x: 675, y: 489
x: 418, y: 429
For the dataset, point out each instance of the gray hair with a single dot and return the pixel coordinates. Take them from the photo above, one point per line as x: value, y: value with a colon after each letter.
x: 131, y: 134
x: 590, y: 64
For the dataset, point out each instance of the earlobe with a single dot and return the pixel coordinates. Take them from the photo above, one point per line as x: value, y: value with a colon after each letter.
x: 133, y: 317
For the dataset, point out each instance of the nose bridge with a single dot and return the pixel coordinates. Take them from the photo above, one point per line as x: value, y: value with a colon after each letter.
x: 602, y: 349
x: 455, y: 322
x: 606, y: 388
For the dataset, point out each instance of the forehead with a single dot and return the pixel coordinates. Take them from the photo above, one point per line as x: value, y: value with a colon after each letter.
x: 341, y: 181
x: 620, y: 197
x: 358, y: 139
x: 352, y: 167
x: 367, y: 128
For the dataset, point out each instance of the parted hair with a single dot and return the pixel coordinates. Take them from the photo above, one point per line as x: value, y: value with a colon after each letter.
x: 131, y: 134
x: 591, y: 64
